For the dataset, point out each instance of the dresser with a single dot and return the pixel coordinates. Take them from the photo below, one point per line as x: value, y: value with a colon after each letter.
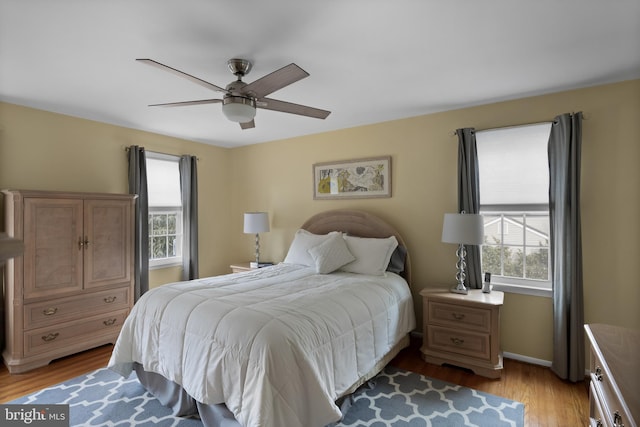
x: 463, y: 330
x: 72, y: 288
x: 614, y: 370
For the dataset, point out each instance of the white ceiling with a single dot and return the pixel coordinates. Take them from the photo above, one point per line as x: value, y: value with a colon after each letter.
x: 369, y: 60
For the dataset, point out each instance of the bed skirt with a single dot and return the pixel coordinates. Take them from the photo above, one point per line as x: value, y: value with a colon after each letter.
x: 172, y: 395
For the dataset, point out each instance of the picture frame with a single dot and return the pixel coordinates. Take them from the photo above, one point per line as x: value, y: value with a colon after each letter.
x: 351, y: 179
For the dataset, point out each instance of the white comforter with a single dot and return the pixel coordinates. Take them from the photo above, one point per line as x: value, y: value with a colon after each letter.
x: 278, y: 345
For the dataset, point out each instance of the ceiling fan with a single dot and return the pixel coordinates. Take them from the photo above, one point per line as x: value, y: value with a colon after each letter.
x: 241, y: 99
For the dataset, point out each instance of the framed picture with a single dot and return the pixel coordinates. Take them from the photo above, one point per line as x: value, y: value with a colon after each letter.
x: 348, y: 179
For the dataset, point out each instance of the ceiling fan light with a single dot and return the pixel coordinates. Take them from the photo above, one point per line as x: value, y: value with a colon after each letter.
x: 239, y: 109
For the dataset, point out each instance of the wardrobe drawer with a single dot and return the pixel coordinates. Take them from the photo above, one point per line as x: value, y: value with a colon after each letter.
x: 65, y: 309
x: 55, y: 337
x: 460, y: 342
x: 459, y: 316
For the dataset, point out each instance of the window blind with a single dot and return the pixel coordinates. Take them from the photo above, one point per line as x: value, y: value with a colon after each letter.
x: 514, y: 169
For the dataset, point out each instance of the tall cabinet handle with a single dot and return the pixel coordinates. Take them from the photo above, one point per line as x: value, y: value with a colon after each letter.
x: 83, y: 243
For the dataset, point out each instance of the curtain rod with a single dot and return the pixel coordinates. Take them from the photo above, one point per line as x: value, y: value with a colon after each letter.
x: 127, y: 148
x: 520, y: 125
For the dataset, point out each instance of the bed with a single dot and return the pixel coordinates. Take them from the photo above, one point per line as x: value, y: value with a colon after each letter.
x: 281, y: 345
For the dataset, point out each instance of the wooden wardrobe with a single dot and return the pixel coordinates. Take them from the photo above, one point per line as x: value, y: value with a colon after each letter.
x: 72, y: 288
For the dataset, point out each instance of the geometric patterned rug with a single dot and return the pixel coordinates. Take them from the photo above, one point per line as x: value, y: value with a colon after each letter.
x: 402, y: 398
x: 399, y: 398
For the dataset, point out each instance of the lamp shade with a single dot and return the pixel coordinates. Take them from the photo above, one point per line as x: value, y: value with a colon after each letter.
x: 239, y: 109
x: 466, y: 229
x: 256, y: 222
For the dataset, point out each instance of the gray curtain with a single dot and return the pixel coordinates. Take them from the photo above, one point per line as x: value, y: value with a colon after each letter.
x: 138, y: 185
x: 189, y: 190
x: 469, y: 196
x: 566, y: 246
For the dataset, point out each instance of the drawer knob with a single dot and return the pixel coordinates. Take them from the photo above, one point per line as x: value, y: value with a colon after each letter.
x: 109, y: 322
x: 457, y: 341
x: 457, y: 316
x: 598, y: 373
x: 109, y: 300
x: 617, y: 420
x: 50, y: 337
x: 50, y: 311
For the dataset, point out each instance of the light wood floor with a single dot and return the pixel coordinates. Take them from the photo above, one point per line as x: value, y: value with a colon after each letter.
x: 548, y: 400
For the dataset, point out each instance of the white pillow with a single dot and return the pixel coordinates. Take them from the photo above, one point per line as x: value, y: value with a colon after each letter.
x: 331, y: 254
x: 372, y: 255
x: 303, y: 240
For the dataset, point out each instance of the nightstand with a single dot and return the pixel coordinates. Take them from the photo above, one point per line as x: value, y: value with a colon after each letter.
x: 240, y: 266
x: 463, y: 330
x: 246, y: 266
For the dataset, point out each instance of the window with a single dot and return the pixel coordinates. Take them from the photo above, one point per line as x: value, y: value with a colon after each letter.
x: 165, y: 210
x: 514, y: 200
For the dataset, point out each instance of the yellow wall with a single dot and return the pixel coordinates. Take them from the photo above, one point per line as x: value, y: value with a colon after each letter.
x: 40, y: 150
x: 277, y: 177
x: 46, y: 151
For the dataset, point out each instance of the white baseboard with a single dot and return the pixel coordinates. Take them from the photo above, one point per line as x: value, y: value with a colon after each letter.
x: 534, y: 361
x: 527, y: 359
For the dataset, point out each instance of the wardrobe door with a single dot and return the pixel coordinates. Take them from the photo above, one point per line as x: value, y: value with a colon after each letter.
x: 53, y: 239
x: 108, y: 243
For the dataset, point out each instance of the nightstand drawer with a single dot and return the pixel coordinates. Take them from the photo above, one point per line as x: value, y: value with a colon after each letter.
x: 459, y: 316
x: 460, y: 342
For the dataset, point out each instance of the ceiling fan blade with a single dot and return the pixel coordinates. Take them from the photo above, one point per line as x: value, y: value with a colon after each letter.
x: 181, y: 74
x: 186, y: 103
x: 274, y: 81
x: 248, y: 125
x: 289, y: 107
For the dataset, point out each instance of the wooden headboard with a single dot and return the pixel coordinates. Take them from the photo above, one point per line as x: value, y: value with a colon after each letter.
x: 356, y: 223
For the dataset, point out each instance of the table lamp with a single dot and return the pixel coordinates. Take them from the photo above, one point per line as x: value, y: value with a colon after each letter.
x: 256, y: 222
x: 463, y: 229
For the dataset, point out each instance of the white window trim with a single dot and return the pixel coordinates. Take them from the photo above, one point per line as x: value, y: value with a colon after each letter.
x: 170, y: 261
x: 155, y: 264
x: 510, y: 284
x: 164, y: 263
x: 513, y: 284
x: 521, y: 289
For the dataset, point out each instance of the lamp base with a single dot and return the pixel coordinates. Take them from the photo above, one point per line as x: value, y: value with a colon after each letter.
x: 459, y: 290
